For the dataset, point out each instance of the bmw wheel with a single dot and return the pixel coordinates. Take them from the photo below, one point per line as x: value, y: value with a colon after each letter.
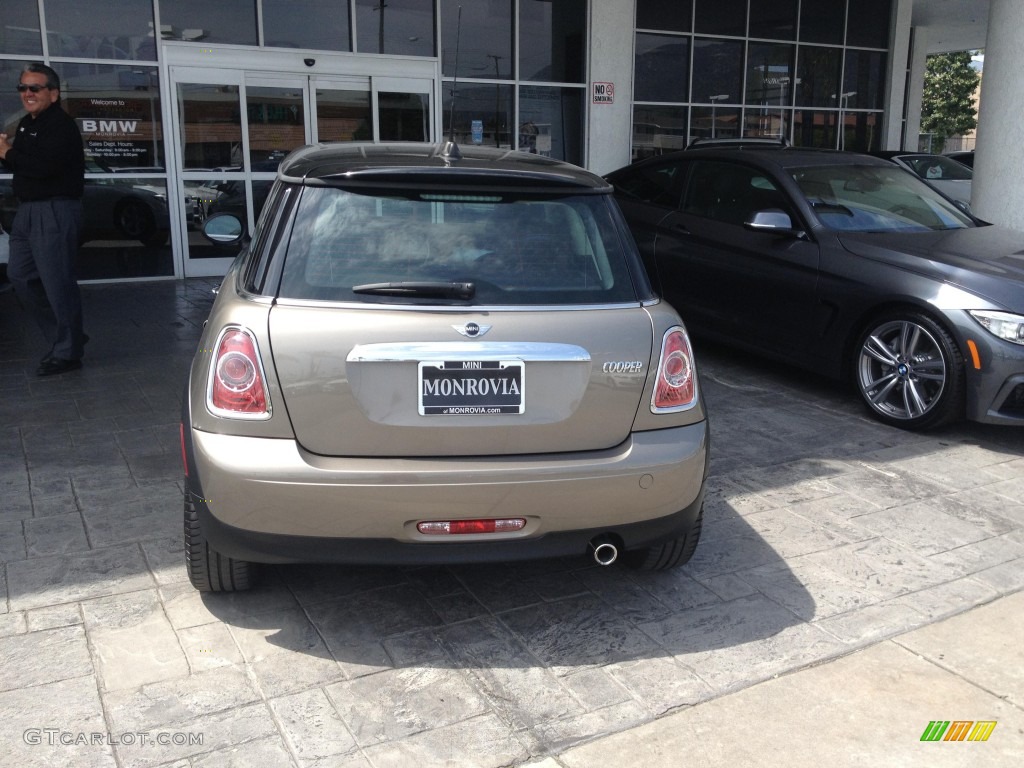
x: 909, y: 371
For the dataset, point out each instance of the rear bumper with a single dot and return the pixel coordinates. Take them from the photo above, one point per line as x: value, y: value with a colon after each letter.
x: 266, y: 500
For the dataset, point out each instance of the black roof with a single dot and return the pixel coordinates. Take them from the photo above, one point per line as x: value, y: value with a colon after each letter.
x: 356, y: 163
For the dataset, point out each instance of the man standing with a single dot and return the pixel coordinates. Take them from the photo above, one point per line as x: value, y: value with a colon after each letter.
x: 48, y: 162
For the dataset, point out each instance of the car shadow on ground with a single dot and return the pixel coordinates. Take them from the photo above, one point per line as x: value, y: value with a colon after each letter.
x: 824, y: 530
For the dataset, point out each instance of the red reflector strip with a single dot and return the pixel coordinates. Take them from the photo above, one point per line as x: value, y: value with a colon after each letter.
x: 456, y: 527
x: 184, y: 456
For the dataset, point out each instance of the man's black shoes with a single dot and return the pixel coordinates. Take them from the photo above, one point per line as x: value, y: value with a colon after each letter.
x: 54, y: 365
x: 59, y: 365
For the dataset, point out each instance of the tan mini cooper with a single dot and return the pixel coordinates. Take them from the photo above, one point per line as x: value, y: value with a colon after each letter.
x: 434, y: 355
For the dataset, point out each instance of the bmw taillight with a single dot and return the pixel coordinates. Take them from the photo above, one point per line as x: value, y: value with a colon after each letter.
x: 237, y: 386
x: 676, y: 386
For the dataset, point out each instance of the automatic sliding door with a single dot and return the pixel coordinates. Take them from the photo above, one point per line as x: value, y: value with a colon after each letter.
x: 277, y: 116
x: 344, y: 110
x: 235, y: 127
x: 403, y: 109
x: 211, y: 157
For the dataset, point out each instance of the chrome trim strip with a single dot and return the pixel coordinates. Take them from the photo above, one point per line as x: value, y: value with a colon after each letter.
x: 404, y: 352
x: 461, y: 309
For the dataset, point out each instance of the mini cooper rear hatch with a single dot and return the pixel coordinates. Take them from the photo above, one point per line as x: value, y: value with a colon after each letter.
x: 427, y: 355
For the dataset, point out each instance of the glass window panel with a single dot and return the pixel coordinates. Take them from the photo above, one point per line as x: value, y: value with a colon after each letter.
x: 483, y: 114
x: 657, y: 130
x: 217, y: 195
x: 402, y: 27
x: 557, y: 116
x: 814, y: 128
x: 118, y: 112
x: 717, y: 71
x: 113, y: 29
x: 714, y: 122
x: 774, y: 19
x: 766, y: 122
x: 661, y: 70
x: 867, y: 24
x: 195, y: 21
x: 211, y: 131
x: 822, y: 21
x: 11, y: 110
x: 277, y: 124
x: 721, y: 17
x: 552, y: 40
x: 343, y: 115
x: 769, y: 74
x: 125, y: 228
x: 404, y: 116
x: 862, y: 131
x: 864, y: 78
x: 728, y: 192
x: 133, y: 210
x: 817, y: 76
x: 485, y: 43
x: 667, y: 15
x: 19, y: 29
x: 322, y: 25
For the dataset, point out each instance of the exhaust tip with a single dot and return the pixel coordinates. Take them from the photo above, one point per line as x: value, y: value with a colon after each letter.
x: 604, y: 552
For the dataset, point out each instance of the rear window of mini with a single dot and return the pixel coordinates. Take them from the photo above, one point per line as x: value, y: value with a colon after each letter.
x: 500, y: 249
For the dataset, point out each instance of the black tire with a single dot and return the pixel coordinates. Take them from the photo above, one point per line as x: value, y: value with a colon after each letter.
x: 136, y: 221
x: 208, y: 569
x: 909, y: 371
x: 669, y: 554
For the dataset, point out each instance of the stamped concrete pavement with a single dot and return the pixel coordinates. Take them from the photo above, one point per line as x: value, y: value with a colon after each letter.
x: 826, y: 535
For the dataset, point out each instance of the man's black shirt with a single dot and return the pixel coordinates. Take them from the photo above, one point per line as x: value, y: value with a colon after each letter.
x: 46, y: 157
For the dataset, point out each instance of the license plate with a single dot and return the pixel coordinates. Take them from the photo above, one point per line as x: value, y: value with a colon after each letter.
x: 471, y: 387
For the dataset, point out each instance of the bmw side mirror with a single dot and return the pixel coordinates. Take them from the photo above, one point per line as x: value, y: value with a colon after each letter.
x: 774, y: 221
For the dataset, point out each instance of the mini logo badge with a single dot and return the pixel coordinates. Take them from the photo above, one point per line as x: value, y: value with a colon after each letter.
x: 472, y: 330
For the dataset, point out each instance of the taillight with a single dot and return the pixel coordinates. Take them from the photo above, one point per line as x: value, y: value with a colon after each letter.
x: 676, y: 386
x: 237, y: 387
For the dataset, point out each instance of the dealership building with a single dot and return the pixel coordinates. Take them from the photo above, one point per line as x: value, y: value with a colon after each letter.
x: 186, y: 107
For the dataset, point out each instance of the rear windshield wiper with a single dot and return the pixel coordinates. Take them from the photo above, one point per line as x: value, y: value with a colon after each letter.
x: 430, y: 290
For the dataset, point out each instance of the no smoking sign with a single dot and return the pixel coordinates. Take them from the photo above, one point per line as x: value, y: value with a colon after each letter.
x: 604, y: 93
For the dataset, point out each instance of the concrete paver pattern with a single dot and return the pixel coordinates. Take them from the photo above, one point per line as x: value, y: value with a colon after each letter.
x: 825, y: 533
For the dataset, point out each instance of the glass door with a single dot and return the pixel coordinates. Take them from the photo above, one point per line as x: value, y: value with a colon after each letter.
x: 211, y: 156
x: 403, y: 109
x: 235, y: 127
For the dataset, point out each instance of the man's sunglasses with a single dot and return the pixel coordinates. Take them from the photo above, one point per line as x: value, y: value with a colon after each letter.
x: 34, y: 88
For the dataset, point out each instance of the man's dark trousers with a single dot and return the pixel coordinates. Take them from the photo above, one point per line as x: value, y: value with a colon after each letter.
x: 44, y: 243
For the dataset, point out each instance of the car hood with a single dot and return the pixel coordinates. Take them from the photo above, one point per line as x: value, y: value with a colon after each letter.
x: 986, y: 261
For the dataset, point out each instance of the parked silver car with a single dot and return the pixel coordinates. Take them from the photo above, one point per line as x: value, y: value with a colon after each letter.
x: 950, y: 177
x: 430, y: 355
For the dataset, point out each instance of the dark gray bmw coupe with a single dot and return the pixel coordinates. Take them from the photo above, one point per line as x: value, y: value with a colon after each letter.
x: 843, y: 264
